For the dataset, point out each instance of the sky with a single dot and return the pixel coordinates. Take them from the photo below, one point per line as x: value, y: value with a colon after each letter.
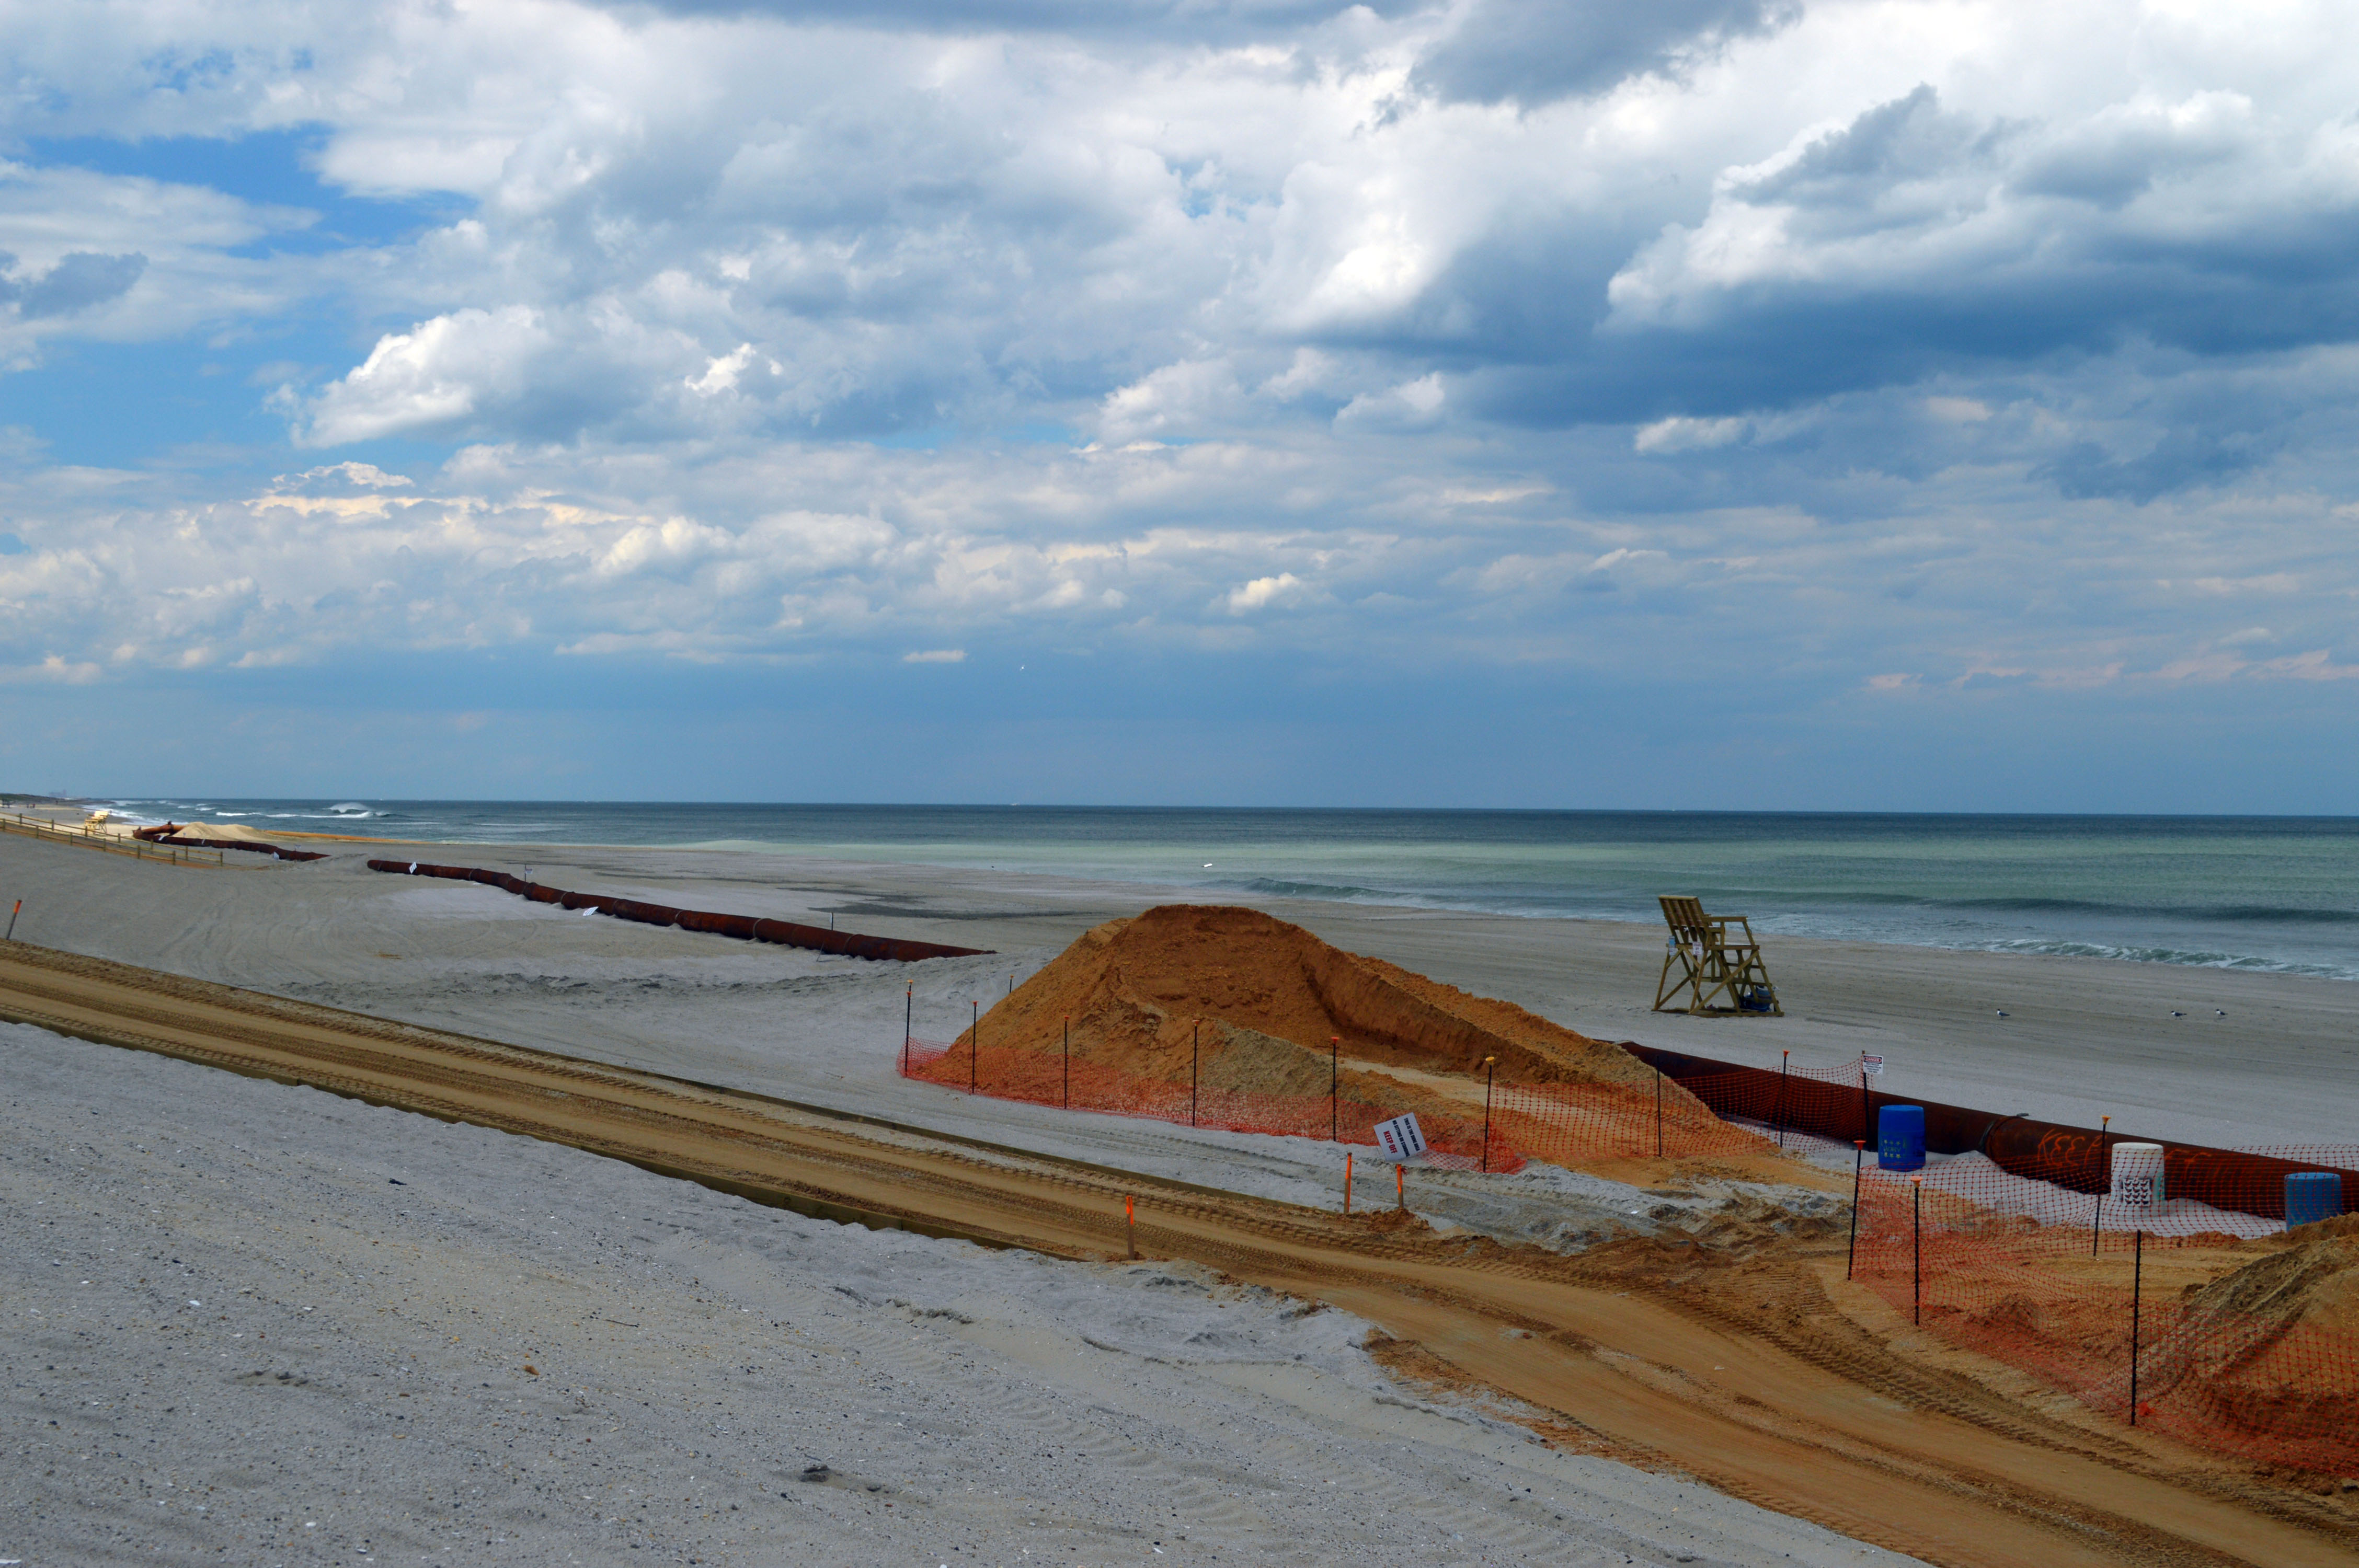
x: 1490, y: 403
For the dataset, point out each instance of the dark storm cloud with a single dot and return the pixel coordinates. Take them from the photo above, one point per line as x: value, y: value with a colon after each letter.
x: 1537, y: 51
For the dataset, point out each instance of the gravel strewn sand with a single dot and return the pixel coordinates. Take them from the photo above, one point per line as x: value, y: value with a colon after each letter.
x: 263, y: 1324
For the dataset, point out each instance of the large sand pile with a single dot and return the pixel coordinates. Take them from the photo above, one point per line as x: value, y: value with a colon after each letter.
x: 1269, y: 997
x: 2269, y: 1347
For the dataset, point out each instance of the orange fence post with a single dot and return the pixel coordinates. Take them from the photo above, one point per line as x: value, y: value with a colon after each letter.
x: 1130, y: 1220
x: 1347, y: 1184
x: 1400, y: 1187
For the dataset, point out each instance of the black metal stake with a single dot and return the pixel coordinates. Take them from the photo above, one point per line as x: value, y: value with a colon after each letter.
x: 12, y: 921
x: 1658, y: 1113
x: 1487, y: 1069
x: 908, y: 1022
x: 1068, y: 1064
x: 1917, y: 1190
x: 1858, y: 1159
x: 1334, y: 1088
x: 1783, y: 1056
x: 2137, y: 1269
x: 975, y: 1049
x: 2104, y: 1180
x: 1866, y: 1128
x: 1195, y: 1055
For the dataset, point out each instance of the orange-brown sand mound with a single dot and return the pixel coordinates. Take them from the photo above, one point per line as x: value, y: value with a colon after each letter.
x: 2269, y: 1346
x: 1264, y: 998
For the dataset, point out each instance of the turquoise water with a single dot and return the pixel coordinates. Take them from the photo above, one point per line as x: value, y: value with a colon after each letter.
x: 2267, y: 893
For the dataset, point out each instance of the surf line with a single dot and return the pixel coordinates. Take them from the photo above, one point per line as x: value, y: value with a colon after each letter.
x: 746, y: 927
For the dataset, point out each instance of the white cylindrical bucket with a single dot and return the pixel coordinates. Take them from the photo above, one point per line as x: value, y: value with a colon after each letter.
x: 2137, y: 1174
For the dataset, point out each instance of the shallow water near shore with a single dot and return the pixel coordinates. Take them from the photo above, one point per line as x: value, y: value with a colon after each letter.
x: 2273, y: 894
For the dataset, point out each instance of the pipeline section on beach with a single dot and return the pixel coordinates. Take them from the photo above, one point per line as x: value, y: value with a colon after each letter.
x: 746, y: 927
x: 2073, y: 1157
x: 167, y: 834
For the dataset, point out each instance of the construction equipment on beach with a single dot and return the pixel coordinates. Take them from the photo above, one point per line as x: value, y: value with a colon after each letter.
x: 1714, y: 961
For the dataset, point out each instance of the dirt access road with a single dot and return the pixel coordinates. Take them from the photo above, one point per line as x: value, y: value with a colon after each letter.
x: 1748, y: 1363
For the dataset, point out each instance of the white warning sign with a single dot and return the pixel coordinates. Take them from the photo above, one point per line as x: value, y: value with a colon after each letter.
x: 1871, y: 1065
x: 1400, y: 1138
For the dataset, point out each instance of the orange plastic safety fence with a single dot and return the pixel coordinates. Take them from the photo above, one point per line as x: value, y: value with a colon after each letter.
x: 2058, y: 1282
x: 1564, y: 1123
x: 1044, y: 1079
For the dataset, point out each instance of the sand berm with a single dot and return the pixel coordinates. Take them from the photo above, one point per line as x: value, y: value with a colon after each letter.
x: 1253, y: 1005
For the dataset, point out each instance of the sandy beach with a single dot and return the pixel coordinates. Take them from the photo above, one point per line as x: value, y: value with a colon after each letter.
x: 915, y: 1345
x: 2082, y: 1037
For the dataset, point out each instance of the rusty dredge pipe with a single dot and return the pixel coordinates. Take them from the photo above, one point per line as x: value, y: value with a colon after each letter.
x: 167, y: 834
x: 747, y: 927
x: 2074, y: 1157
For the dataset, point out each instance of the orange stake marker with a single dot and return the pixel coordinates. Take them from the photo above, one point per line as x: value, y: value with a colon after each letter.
x: 1347, y: 1184
x: 1130, y: 1220
x: 1401, y: 1186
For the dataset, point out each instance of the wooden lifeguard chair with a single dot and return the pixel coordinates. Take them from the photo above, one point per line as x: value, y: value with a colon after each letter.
x: 1714, y: 961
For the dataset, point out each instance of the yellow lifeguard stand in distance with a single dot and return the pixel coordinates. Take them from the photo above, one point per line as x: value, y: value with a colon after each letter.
x: 1717, y: 970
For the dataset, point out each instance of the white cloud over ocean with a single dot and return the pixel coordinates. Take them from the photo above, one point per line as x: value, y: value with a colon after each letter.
x: 1926, y: 353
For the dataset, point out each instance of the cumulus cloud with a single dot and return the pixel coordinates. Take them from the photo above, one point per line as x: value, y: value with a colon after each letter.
x: 1486, y: 329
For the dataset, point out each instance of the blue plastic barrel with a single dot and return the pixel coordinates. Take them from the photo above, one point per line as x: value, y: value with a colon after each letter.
x: 2312, y: 1196
x: 1900, y: 1138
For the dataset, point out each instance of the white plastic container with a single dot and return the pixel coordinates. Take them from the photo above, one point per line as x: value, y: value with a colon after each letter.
x: 2137, y: 1174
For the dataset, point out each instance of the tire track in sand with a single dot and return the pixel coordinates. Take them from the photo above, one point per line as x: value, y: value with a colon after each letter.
x: 1755, y: 1382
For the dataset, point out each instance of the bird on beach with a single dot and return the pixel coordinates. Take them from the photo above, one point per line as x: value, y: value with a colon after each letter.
x: 2176, y: 1013
x: 2219, y: 1012
x: 2001, y: 1012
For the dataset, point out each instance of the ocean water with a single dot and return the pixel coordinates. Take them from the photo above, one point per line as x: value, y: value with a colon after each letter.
x: 2265, y: 893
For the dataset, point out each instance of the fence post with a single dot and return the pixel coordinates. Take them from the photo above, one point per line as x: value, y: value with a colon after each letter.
x: 1783, y: 1058
x: 1658, y: 1113
x: 1400, y: 1188
x: 909, y: 1022
x: 1488, y: 1069
x: 1068, y: 1061
x: 1130, y: 1220
x: 1335, y: 1087
x: 1917, y: 1222
x: 1195, y: 1054
x: 2137, y: 1271
x: 975, y: 1048
x: 1858, y: 1159
x: 2104, y: 1180
x: 1867, y: 1124
x: 1347, y: 1185
x: 12, y: 921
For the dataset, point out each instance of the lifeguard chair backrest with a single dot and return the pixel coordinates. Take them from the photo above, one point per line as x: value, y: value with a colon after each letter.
x: 1686, y: 917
